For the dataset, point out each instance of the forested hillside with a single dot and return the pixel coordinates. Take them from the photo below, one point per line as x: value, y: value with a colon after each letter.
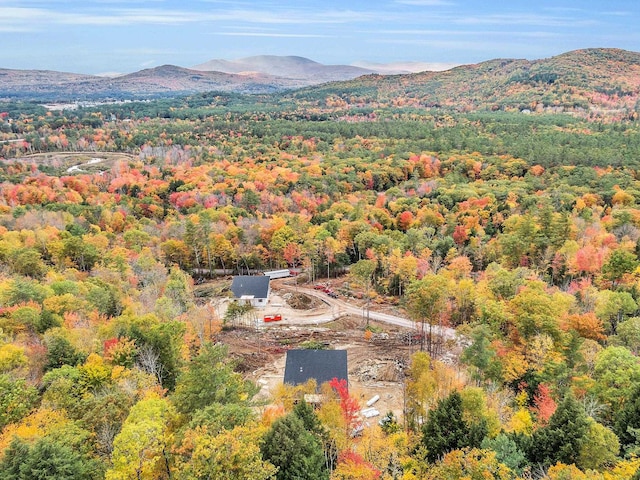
x: 520, y: 231
x: 591, y: 83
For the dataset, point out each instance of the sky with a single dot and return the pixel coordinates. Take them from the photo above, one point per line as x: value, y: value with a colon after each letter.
x: 123, y: 36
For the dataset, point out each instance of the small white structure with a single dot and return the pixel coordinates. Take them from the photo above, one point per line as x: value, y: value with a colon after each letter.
x: 273, y: 274
x: 373, y: 400
x: 369, y: 412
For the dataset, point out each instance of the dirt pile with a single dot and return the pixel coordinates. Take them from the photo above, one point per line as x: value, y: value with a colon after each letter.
x: 380, y: 370
x: 300, y: 301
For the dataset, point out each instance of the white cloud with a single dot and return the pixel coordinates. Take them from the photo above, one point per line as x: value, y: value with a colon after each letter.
x: 271, y: 34
x: 618, y: 13
x: 138, y: 52
x: 28, y: 18
x: 109, y: 74
x: 531, y: 19
x: 426, y: 3
x: 14, y: 28
x: 460, y: 33
x: 440, y: 47
x: 301, y: 16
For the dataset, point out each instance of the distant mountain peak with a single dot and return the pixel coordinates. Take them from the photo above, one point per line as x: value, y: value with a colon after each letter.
x: 279, y: 58
x: 292, y: 67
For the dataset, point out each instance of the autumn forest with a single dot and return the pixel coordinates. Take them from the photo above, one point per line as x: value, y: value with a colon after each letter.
x: 518, y: 229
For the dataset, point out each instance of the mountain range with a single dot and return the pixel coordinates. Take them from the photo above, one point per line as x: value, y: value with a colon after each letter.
x: 295, y: 68
x: 259, y: 74
x: 598, y: 79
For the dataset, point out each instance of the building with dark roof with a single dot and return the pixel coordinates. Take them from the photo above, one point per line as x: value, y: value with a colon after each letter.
x: 251, y: 289
x: 321, y: 365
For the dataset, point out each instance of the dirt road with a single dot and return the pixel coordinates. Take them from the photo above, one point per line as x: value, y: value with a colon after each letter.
x: 340, y: 308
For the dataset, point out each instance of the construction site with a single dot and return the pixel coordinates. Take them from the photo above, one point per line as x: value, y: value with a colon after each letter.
x: 378, y: 352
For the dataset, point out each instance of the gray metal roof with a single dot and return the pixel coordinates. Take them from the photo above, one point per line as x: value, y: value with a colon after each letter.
x: 250, y: 286
x: 322, y: 365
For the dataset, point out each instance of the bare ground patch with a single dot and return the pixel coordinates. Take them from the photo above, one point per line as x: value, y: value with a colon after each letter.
x: 376, y: 362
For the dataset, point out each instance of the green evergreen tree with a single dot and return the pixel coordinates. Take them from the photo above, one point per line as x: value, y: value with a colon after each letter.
x: 507, y: 452
x: 47, y: 459
x: 310, y: 420
x: 446, y: 430
x: 313, y: 425
x: 61, y: 352
x: 560, y: 440
x: 14, y: 455
x: 297, y: 453
x: 627, y: 422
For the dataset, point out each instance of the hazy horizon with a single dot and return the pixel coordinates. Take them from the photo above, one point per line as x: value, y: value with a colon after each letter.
x: 118, y: 36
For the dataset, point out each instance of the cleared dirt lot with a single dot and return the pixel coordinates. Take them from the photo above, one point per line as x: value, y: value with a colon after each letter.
x: 376, y: 360
x: 376, y: 364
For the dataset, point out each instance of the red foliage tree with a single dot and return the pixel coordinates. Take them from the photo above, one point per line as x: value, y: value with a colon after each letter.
x: 590, y: 259
x: 348, y: 404
x: 460, y: 235
x: 544, y: 405
x: 405, y: 219
x: 108, y: 346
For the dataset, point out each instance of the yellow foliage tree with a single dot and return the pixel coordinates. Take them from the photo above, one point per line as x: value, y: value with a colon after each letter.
x: 289, y: 395
x: 521, y: 422
x: 385, y: 452
x: 95, y: 372
x: 141, y: 448
x: 231, y: 455
x: 427, y: 382
x: 12, y: 357
x: 560, y: 471
x: 40, y: 423
x: 474, y: 408
x: 469, y: 464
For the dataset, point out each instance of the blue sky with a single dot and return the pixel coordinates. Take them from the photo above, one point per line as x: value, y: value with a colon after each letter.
x: 99, y: 36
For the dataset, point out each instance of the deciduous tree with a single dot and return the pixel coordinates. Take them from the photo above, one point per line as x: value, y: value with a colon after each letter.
x: 599, y: 448
x: 229, y: 455
x: 363, y: 272
x: 141, y: 449
x: 16, y: 399
x: 427, y: 302
x: 209, y: 378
